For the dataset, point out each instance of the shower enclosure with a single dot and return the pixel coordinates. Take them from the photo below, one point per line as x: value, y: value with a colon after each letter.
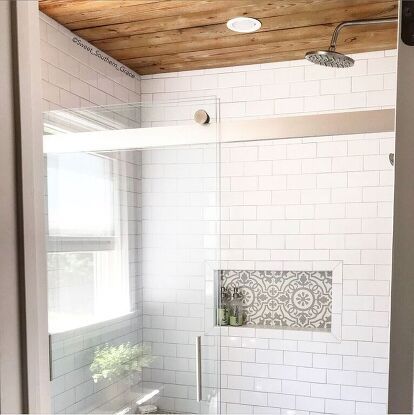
x: 132, y: 248
x: 156, y: 225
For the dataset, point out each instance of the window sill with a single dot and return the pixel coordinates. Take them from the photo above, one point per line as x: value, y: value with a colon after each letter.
x: 62, y: 335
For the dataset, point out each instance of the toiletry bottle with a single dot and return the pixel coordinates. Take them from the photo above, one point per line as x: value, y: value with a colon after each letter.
x: 223, y: 311
x: 236, y: 307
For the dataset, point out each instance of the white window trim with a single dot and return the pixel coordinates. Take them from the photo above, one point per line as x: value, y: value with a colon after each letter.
x: 116, y: 243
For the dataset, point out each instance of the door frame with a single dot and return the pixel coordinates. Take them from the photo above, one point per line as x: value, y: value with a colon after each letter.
x: 24, y: 361
x: 24, y: 365
x: 400, y: 388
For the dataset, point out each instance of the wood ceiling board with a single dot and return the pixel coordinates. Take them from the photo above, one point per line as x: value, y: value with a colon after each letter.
x: 75, y: 12
x: 354, y: 42
x: 310, y: 33
x: 275, y: 24
x: 244, y: 60
x: 64, y: 8
x: 221, y: 14
x: 323, y: 36
x: 129, y: 12
x: 152, y: 36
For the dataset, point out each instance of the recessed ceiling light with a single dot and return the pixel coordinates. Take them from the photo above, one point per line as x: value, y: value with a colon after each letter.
x: 244, y: 24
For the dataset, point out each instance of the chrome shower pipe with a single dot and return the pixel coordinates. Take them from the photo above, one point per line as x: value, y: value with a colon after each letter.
x: 357, y: 23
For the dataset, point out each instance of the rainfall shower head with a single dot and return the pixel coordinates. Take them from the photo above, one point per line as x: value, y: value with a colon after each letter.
x: 329, y: 58
x: 335, y: 59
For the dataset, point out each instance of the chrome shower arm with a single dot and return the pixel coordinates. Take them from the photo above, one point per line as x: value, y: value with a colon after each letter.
x: 357, y: 23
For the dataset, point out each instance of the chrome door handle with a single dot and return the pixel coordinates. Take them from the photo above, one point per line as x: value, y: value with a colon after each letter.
x: 198, y: 368
x: 50, y: 359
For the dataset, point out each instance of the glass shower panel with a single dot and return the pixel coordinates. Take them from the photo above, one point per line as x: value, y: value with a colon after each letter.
x: 179, y: 244
x: 310, y: 250
x: 132, y: 248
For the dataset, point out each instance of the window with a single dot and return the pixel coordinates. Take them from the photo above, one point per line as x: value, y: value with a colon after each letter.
x: 87, y: 246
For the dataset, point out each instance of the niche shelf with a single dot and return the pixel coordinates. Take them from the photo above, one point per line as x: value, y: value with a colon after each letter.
x: 281, y: 299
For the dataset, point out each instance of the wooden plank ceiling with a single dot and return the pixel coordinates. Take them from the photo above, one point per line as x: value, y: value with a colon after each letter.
x: 155, y: 36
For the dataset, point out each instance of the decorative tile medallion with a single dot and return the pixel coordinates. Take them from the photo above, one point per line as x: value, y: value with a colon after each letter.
x: 296, y: 299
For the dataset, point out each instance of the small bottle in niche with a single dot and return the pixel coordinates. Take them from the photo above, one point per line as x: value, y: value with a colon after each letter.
x: 223, y: 311
x: 236, y: 308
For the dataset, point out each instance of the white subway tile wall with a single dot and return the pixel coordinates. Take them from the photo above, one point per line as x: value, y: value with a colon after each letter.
x: 72, y: 78
x: 315, y: 215
x: 282, y: 88
x: 72, y: 352
x: 293, y: 204
x: 331, y: 219
x: 179, y: 239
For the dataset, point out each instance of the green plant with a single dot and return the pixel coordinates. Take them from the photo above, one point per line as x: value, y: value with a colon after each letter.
x: 114, y: 362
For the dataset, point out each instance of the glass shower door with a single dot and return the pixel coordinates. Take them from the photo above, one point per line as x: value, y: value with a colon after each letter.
x: 132, y: 248
x: 179, y: 247
x: 314, y: 246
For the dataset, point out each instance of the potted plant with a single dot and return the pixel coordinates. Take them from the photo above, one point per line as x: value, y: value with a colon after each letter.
x: 117, y: 362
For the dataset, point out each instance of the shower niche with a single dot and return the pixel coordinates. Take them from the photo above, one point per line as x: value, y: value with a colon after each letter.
x: 299, y: 300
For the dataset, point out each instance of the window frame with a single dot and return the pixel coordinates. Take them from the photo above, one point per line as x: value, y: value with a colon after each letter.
x: 118, y: 242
